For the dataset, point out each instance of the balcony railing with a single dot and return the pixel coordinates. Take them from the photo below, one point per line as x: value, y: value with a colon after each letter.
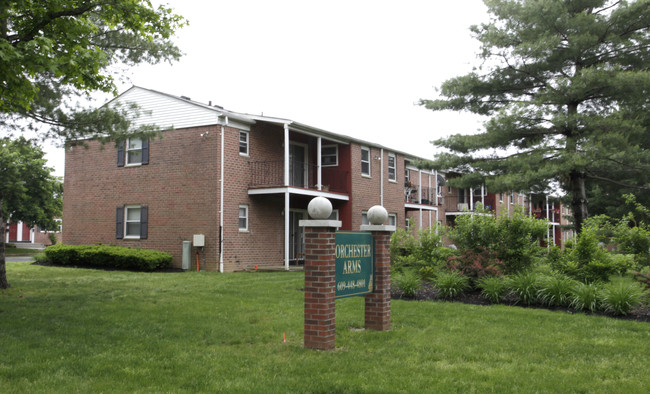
x: 413, y: 195
x: 454, y: 204
x: 304, y: 175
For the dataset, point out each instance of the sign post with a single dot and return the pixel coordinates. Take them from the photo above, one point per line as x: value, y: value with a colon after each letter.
x: 341, y: 264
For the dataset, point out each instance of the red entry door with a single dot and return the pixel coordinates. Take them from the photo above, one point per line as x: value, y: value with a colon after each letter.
x: 13, y: 232
x: 26, y: 233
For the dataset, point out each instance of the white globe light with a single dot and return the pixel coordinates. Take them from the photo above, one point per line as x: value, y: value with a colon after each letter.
x: 319, y: 208
x: 377, y: 215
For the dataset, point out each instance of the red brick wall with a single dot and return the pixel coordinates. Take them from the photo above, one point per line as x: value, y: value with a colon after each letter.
x: 179, y: 186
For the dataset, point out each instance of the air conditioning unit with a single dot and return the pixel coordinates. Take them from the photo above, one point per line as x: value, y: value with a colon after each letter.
x: 463, y: 207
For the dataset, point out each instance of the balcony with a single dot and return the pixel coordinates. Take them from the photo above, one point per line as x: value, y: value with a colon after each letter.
x: 268, y: 174
x: 453, y: 203
x: 416, y: 195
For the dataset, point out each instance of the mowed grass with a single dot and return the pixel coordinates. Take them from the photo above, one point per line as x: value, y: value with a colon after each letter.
x: 80, y: 330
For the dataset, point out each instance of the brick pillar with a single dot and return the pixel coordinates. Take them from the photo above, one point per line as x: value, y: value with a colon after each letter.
x: 378, y: 302
x: 320, y: 285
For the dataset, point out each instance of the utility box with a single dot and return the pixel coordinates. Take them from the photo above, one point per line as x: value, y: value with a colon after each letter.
x: 199, y: 240
x: 187, y: 255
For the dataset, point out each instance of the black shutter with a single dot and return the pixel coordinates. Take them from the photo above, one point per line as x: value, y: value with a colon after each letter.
x: 119, y: 223
x: 120, y: 154
x: 145, y: 151
x: 144, y: 222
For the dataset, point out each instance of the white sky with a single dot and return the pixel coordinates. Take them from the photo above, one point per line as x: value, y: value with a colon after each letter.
x: 352, y: 67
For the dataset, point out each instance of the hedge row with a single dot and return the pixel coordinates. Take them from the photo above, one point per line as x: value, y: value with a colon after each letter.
x: 103, y: 256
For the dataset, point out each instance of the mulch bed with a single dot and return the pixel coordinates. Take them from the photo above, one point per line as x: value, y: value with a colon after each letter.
x: 428, y: 292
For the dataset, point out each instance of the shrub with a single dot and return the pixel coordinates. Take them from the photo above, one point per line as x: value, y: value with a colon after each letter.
x: 494, y: 288
x: 524, y: 285
x: 588, y: 261
x: 428, y: 273
x: 515, y: 239
x: 103, y: 256
x: 409, y: 282
x: 40, y: 258
x: 426, y: 250
x: 53, y: 239
x: 451, y: 284
x: 556, y: 290
x: 402, y: 243
x: 586, y: 296
x: 476, y: 264
x: 620, y: 298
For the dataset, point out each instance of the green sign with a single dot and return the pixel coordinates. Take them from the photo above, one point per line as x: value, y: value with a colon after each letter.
x: 355, y: 263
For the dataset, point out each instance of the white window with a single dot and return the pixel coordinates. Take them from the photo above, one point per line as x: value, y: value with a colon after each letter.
x: 243, y: 143
x: 392, y: 167
x: 512, y: 197
x: 243, y: 218
x: 329, y: 155
x: 500, y: 197
x: 133, y: 151
x: 364, y: 218
x: 392, y: 219
x: 407, y: 176
x: 132, y: 216
x: 365, y: 161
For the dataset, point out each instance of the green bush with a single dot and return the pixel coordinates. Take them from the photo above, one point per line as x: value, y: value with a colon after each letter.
x: 428, y: 273
x: 103, y: 256
x: 524, y: 285
x: 53, y: 239
x: 494, y: 288
x: 415, y: 252
x: 620, y: 298
x: 586, y: 296
x: 515, y: 239
x: 589, y: 261
x: 556, y: 290
x: 451, y: 284
x: 409, y: 282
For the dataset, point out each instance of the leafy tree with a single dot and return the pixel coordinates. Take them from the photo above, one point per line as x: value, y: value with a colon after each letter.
x: 28, y: 191
x: 565, y: 84
x: 53, y: 55
x: 55, y: 52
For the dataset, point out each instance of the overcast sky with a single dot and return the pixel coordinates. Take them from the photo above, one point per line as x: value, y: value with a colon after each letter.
x: 350, y: 67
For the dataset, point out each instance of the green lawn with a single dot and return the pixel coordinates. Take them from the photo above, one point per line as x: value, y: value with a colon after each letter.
x: 21, y: 251
x: 80, y: 330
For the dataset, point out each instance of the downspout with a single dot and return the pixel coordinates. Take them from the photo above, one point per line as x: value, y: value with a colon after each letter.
x: 286, y: 197
x: 471, y: 201
x: 435, y: 174
x: 319, y: 162
x: 420, y: 194
x: 548, y: 235
x: 221, y: 180
x: 381, y: 177
x: 483, y: 196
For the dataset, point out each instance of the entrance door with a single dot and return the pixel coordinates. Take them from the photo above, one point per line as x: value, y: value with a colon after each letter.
x: 298, y: 168
x: 296, y: 237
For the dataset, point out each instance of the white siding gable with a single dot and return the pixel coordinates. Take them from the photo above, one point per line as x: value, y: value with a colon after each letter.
x: 169, y: 112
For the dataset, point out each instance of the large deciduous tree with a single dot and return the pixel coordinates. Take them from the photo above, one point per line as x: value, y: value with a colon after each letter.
x: 53, y: 55
x: 28, y: 191
x: 565, y: 84
x: 55, y: 52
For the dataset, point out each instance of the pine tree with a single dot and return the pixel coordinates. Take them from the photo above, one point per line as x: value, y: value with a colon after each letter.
x: 565, y: 85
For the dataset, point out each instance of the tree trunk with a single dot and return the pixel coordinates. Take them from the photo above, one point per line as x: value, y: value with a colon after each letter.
x: 3, y: 268
x: 579, y: 198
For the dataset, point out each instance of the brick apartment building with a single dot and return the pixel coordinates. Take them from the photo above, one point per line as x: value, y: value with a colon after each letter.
x: 242, y: 181
x: 21, y: 233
